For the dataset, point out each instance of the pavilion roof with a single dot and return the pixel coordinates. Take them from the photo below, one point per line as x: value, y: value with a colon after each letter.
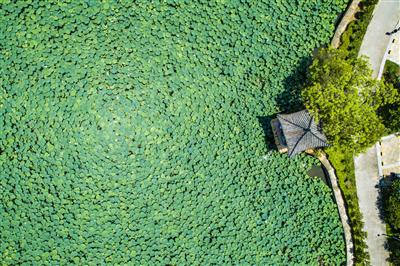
x: 301, y: 132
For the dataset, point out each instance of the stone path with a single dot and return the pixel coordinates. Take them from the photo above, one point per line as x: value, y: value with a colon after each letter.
x: 375, y: 42
x: 341, y: 208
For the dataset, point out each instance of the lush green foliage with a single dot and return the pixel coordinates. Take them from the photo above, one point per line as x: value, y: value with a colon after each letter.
x: 342, y: 158
x: 392, y: 218
x: 392, y: 205
x: 393, y: 245
x: 352, y: 38
x: 130, y: 134
x: 349, y: 104
x: 342, y: 161
x: 391, y: 112
x: 391, y: 74
x: 345, y: 98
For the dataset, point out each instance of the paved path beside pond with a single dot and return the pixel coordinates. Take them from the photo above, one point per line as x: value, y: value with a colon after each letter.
x: 374, y: 44
x: 368, y: 169
x: 367, y: 179
x: 341, y: 208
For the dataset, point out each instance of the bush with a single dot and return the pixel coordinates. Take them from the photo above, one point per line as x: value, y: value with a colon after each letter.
x: 392, y: 205
x: 391, y: 74
x: 352, y: 38
x: 342, y: 161
x: 390, y: 113
x: 392, y: 218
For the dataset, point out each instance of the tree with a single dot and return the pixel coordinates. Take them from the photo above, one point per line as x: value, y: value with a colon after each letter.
x: 392, y: 218
x: 392, y: 206
x: 391, y: 112
x: 344, y: 97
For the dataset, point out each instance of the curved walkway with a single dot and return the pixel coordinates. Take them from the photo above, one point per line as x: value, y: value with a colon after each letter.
x: 367, y: 165
x: 385, y: 17
x: 341, y: 207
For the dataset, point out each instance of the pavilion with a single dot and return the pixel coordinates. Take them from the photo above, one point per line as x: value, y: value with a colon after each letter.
x: 297, y: 132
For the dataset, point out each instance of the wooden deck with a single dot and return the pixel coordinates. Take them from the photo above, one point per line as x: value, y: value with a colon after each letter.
x: 280, y: 141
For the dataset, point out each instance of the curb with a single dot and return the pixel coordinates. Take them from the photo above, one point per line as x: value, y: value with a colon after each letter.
x: 340, y: 203
x: 348, y: 17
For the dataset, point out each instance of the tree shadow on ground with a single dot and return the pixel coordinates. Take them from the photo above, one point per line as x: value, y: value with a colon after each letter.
x: 265, y: 123
x: 384, y: 187
x: 288, y: 101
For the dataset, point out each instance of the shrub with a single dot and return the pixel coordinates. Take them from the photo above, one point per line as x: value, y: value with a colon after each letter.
x: 390, y: 113
x: 342, y: 161
x: 392, y: 205
x: 392, y: 218
x: 352, y: 38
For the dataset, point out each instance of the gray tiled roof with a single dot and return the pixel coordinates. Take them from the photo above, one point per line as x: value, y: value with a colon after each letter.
x: 301, y: 132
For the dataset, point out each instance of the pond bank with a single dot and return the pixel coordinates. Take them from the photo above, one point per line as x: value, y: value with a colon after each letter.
x: 340, y: 204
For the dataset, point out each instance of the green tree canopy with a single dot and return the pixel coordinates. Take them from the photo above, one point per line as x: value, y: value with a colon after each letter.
x: 391, y: 112
x: 392, y: 207
x: 344, y: 97
x: 392, y: 218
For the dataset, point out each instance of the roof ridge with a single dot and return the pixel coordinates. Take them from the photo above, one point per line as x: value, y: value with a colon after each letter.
x: 297, y: 142
x: 280, y: 116
x: 295, y: 127
x: 324, y: 141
